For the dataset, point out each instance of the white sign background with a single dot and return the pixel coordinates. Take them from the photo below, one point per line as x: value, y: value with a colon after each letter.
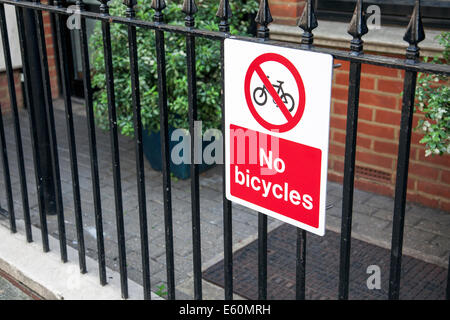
x: 316, y: 70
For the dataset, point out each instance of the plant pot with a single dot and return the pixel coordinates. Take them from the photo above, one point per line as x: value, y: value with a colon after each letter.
x: 151, y: 142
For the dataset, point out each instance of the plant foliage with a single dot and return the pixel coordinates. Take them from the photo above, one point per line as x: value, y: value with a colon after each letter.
x: 433, y: 99
x: 207, y: 66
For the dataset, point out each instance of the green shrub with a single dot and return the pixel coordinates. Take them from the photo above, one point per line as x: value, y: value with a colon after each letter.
x: 433, y: 99
x: 207, y: 65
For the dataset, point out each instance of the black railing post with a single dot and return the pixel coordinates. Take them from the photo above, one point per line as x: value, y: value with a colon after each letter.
x: 158, y: 17
x: 414, y: 35
x: 190, y: 8
x: 307, y: 22
x: 224, y: 13
x: 357, y: 29
x: 263, y: 18
x: 37, y: 96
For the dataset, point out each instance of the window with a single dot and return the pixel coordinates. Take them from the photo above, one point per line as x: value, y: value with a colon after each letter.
x: 435, y: 14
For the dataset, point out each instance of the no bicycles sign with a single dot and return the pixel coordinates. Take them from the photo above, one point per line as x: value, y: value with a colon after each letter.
x: 277, y: 111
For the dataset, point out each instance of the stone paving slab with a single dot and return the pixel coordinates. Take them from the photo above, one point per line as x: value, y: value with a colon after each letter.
x: 427, y: 233
x: 8, y: 291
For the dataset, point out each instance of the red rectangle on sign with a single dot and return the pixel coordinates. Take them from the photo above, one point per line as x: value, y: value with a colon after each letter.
x: 276, y: 174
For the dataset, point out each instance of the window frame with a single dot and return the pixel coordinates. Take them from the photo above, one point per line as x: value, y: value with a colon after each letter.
x: 435, y: 13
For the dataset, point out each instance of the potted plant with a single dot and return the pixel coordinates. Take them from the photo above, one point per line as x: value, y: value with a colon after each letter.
x: 207, y: 66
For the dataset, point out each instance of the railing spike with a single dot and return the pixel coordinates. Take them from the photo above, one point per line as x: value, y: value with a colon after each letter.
x: 189, y: 8
x: 414, y: 33
x: 263, y: 17
x: 358, y: 28
x: 308, y: 22
x: 104, y: 8
x: 130, y: 13
x: 224, y: 13
x: 158, y: 6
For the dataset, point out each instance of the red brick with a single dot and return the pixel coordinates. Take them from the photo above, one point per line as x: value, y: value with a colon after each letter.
x: 445, y: 176
x: 426, y: 200
x: 392, y: 86
x: 363, y: 142
x: 340, y: 108
x: 336, y: 149
x: 345, y: 65
x: 335, y: 177
x: 338, y: 123
x: 380, y: 71
x: 378, y: 100
x: 342, y: 78
x: 387, y: 117
x: 372, y: 186
x: 374, y: 159
x: 443, y: 160
x: 385, y: 147
x: 365, y: 113
x: 376, y: 130
x: 423, y: 171
x: 339, y: 93
x: 367, y: 83
x: 433, y: 189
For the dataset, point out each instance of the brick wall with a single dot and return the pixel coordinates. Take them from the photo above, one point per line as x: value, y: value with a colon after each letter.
x: 378, y: 130
x: 4, y: 94
x: 377, y: 142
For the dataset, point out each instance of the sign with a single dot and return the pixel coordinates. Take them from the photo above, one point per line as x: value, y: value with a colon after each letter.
x: 277, y: 111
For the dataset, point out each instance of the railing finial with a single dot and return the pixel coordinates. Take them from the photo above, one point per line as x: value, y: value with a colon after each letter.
x: 130, y: 13
x: 158, y: 6
x: 263, y: 18
x: 358, y: 28
x: 224, y: 13
x: 104, y: 8
x: 308, y: 22
x: 414, y: 33
x: 189, y: 8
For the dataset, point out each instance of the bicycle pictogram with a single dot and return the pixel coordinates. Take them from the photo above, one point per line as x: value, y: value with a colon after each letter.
x: 260, y: 95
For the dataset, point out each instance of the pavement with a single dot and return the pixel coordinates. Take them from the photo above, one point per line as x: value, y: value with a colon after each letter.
x: 10, y: 291
x: 427, y: 231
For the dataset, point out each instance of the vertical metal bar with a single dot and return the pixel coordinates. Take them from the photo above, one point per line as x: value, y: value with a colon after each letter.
x: 224, y: 13
x: 7, y: 178
x: 37, y: 95
x: 349, y: 175
x: 357, y: 29
x: 301, y: 265
x: 115, y: 157
x: 190, y: 8
x: 17, y: 131
x: 401, y: 183
x: 22, y: 24
x: 307, y: 22
x: 165, y: 150
x: 262, y: 256
x: 61, y: 36
x: 447, y: 295
x: 414, y: 34
x: 92, y: 145
x: 52, y: 134
x: 132, y: 44
x: 263, y: 18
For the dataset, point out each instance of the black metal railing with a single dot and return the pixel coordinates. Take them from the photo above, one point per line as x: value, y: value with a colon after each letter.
x: 38, y: 94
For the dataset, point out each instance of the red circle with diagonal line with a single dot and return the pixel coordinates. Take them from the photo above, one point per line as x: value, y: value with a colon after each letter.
x: 292, y: 120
